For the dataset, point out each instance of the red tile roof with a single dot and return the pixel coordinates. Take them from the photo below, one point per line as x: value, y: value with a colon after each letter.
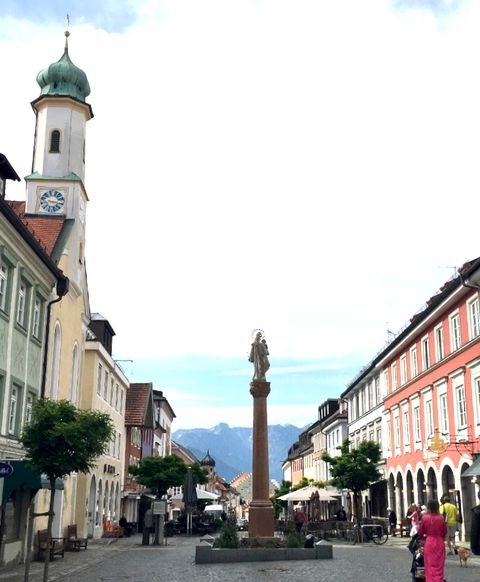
x: 45, y: 229
x: 136, y: 404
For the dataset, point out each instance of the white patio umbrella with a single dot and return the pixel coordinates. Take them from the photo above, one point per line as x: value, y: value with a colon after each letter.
x: 201, y: 494
x: 305, y: 493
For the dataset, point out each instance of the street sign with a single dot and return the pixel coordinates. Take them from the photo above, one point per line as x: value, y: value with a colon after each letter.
x: 5, y: 470
x: 159, y: 507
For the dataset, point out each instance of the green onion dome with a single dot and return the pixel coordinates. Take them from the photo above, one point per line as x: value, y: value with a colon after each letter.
x: 63, y: 78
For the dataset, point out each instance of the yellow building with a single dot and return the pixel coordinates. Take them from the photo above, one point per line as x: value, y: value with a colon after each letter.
x: 104, y: 388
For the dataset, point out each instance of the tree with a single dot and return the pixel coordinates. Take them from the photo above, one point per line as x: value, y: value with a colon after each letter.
x: 59, y: 440
x: 161, y: 473
x: 355, y: 468
x: 279, y: 505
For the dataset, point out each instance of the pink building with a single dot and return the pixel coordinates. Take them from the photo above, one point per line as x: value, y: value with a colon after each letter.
x: 431, y: 381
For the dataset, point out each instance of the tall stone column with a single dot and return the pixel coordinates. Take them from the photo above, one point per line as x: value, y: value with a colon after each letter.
x: 260, y: 517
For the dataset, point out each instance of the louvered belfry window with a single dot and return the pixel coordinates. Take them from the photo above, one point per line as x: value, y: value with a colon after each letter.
x: 55, y: 142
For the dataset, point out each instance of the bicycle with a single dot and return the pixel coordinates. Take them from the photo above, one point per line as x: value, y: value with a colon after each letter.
x: 377, y: 533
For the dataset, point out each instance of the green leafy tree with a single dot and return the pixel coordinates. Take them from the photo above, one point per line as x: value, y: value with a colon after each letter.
x: 60, y: 440
x: 278, y: 504
x: 355, y: 468
x: 161, y: 473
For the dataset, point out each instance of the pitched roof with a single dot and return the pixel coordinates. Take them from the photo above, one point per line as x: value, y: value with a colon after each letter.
x: 45, y: 229
x: 138, y: 403
x: 13, y: 217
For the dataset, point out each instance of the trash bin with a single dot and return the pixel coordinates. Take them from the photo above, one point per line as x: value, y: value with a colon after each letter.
x: 475, y: 531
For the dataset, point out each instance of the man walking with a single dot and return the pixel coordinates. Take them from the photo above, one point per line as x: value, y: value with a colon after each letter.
x: 450, y: 515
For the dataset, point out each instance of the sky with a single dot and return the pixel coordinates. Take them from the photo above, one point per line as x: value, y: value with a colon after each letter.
x: 307, y: 168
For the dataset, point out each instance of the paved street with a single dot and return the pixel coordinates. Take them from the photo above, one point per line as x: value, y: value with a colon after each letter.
x: 127, y: 560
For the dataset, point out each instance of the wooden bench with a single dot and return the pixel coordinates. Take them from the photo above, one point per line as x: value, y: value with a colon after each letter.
x: 404, y: 528
x: 73, y: 541
x: 55, y: 548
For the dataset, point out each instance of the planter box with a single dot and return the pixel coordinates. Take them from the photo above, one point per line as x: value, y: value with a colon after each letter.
x: 206, y: 554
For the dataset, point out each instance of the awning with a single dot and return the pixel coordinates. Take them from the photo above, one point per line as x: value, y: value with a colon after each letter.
x: 21, y: 476
x: 473, y: 470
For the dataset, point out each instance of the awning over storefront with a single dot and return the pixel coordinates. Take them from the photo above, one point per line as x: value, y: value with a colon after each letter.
x: 22, y: 475
x: 473, y: 470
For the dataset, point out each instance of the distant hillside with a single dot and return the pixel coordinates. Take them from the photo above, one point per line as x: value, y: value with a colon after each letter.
x: 232, y: 447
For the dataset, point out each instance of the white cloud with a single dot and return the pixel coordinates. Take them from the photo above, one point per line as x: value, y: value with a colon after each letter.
x: 305, y: 168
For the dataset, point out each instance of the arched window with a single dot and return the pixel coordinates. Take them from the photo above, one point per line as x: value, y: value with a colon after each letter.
x: 74, y: 384
x: 55, y: 142
x: 57, y: 343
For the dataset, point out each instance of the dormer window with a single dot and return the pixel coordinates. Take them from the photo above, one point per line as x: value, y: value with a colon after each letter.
x: 55, y: 142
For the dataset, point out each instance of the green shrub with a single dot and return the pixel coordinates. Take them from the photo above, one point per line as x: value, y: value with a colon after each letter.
x: 228, y: 537
x: 295, y: 540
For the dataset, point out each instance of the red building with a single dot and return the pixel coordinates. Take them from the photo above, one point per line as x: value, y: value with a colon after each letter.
x: 431, y: 381
x: 139, y: 427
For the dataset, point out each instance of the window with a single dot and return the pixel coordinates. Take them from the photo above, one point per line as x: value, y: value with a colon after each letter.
x: 455, y: 332
x: 386, y: 383
x: 370, y: 396
x: 74, y: 379
x: 416, y: 423
x: 362, y: 399
x: 388, y: 434
x: 406, y: 428
x: 414, y: 361
x: 396, y: 424
x: 12, y: 410
x: 394, y: 376
x: 4, y: 273
x: 116, y: 396
x: 429, y: 418
x: 377, y: 390
x: 21, y: 304
x: 425, y: 354
x: 461, y: 410
x: 120, y: 408
x: 112, y: 387
x: 439, y: 350
x: 403, y: 370
x: 473, y: 318
x: 99, y: 379
x: 443, y: 413
x: 119, y: 444
x: 476, y: 387
x: 55, y: 142
x: 57, y: 344
x: 379, y: 434
x: 37, y: 310
x: 29, y: 407
x: 105, y: 385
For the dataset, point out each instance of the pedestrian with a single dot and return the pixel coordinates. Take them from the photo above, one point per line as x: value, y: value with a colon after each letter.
x: 341, y: 514
x: 299, y: 518
x: 433, y: 529
x: 392, y: 521
x: 450, y: 514
x: 415, y: 518
x: 122, y: 522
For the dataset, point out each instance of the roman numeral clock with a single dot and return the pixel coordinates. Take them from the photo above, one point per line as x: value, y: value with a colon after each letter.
x: 52, y: 201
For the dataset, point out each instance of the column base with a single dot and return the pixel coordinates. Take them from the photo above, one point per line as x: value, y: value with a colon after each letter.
x: 261, y: 519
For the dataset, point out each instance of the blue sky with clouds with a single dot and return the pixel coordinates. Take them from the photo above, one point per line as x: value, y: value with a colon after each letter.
x: 310, y: 168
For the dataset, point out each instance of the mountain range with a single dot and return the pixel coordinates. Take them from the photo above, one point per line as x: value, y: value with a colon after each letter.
x: 231, y: 448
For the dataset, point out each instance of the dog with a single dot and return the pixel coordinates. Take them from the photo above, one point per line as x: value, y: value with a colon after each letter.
x: 463, y: 555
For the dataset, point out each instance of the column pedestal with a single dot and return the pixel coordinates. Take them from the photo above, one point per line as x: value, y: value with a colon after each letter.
x: 261, y: 520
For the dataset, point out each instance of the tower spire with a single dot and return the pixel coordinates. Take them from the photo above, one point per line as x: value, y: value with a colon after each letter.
x: 67, y: 32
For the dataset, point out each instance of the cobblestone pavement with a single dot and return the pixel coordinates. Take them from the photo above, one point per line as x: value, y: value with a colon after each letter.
x: 126, y: 560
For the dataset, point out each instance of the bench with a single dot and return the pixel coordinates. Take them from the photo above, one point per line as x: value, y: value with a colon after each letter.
x: 73, y: 541
x: 56, y: 547
x: 404, y: 528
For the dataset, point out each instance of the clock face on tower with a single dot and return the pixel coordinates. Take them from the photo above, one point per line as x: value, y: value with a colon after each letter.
x: 52, y: 201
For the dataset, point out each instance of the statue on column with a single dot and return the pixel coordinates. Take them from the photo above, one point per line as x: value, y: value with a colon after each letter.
x: 259, y: 357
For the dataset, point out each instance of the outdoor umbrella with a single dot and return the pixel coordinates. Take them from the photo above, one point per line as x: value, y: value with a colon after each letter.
x: 201, y: 494
x: 305, y: 493
x: 189, y: 498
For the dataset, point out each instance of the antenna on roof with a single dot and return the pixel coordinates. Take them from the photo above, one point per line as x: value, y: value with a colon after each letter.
x: 454, y: 267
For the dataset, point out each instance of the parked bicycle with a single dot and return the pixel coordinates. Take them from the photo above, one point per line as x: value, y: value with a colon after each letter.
x: 366, y: 532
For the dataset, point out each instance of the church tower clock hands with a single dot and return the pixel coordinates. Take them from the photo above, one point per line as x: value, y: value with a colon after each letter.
x: 55, y: 188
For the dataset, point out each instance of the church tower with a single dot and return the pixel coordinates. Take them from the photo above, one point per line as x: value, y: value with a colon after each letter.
x: 55, y: 188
